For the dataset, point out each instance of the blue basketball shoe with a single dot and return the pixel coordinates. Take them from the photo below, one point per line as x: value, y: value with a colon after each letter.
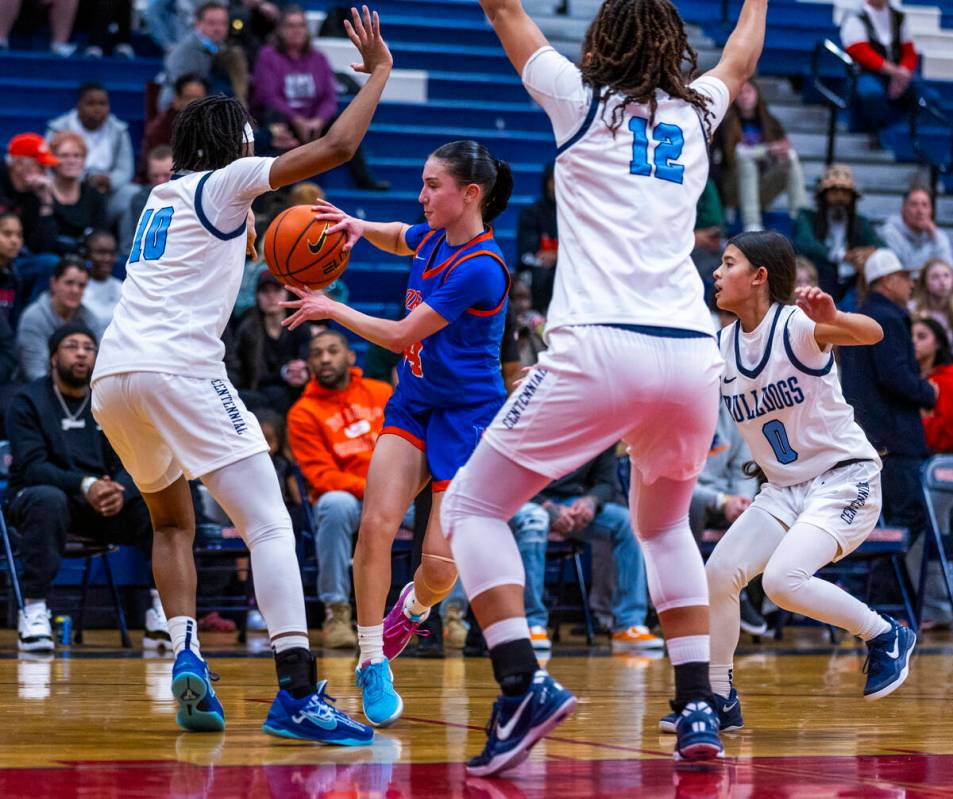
x: 518, y: 722
x: 199, y: 708
x: 888, y: 660
x: 382, y: 704
x: 314, y: 718
x: 728, y: 710
x: 697, y: 733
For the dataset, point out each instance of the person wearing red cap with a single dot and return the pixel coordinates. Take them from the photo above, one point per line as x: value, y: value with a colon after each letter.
x: 26, y: 191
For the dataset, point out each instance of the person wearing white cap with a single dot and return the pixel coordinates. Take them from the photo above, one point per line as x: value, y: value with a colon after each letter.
x: 884, y: 385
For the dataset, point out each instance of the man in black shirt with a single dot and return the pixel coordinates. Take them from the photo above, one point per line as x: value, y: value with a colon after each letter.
x: 65, y: 479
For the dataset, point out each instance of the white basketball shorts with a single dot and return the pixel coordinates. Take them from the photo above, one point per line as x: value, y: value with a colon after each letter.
x: 843, y: 502
x: 597, y: 385
x: 163, y: 425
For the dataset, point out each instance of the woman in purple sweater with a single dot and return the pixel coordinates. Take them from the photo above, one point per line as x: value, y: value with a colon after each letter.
x: 295, y: 85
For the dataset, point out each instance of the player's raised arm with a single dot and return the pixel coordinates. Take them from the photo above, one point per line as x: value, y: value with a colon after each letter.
x: 743, y: 48
x: 386, y: 236
x: 341, y: 141
x: 833, y: 326
x: 519, y: 35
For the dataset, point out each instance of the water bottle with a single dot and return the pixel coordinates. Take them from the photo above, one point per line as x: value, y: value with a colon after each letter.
x: 64, y: 624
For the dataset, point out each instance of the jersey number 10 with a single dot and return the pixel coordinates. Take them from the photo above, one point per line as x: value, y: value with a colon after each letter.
x: 151, y: 234
x: 669, y: 142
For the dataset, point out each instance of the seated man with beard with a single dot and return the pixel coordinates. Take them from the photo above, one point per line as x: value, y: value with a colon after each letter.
x: 66, y: 480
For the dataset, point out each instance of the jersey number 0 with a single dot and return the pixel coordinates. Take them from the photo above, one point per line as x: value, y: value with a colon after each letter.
x: 151, y: 234
x: 669, y: 143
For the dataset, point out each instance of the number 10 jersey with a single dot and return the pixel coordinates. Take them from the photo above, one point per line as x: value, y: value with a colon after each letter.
x: 183, y: 274
x: 783, y: 391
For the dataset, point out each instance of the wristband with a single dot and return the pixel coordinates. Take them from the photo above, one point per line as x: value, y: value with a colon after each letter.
x: 721, y: 501
x: 87, y: 484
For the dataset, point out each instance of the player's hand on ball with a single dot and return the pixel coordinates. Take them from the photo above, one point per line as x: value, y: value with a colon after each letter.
x: 311, y: 306
x: 817, y: 304
x: 366, y: 36
x: 353, y: 227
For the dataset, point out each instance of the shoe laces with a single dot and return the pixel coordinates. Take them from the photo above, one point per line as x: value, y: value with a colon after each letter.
x: 371, y: 679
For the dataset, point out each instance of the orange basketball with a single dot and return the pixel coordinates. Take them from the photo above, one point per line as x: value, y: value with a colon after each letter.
x: 300, y: 252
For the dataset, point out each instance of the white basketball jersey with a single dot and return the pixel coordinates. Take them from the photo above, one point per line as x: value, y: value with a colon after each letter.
x: 625, y: 201
x: 183, y: 274
x: 785, y: 395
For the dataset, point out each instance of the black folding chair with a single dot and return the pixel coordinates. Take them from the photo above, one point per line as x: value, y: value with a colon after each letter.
x: 936, y: 477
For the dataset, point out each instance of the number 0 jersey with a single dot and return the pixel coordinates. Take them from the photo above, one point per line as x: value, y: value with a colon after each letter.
x: 785, y: 395
x: 468, y: 286
x: 625, y: 200
x: 184, y: 273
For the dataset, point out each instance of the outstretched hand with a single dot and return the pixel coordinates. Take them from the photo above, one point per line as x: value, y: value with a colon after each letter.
x: 366, y: 35
x: 817, y: 304
x: 311, y: 306
x: 352, y: 227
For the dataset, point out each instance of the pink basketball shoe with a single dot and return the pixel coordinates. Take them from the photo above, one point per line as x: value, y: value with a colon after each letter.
x: 398, y: 629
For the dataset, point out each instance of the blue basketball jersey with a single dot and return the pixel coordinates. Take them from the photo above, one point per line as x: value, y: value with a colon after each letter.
x: 467, y: 285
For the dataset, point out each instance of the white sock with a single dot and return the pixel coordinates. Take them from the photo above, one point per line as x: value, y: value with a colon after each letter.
x: 156, y: 600
x: 184, y: 632
x: 413, y: 610
x: 877, y: 625
x: 688, y: 649
x: 371, y: 642
x: 287, y: 642
x: 720, y: 677
x: 502, y: 632
x: 34, y: 605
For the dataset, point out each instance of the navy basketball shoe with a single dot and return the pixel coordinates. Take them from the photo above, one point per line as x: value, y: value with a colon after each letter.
x: 199, y: 708
x: 888, y: 660
x: 314, y: 718
x: 518, y: 722
x: 696, y: 733
x: 728, y: 710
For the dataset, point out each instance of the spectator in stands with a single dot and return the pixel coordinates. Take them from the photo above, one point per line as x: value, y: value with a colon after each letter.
x: 709, y: 226
x: 62, y: 304
x: 205, y: 54
x: 78, y: 208
x: 756, y: 160
x: 62, y: 13
x: 103, y: 290
x: 109, y: 162
x: 528, y: 324
x: 581, y: 506
x: 168, y: 22
x: 933, y: 294
x: 11, y: 242
x: 884, y: 385
x: 332, y: 430
x: 158, y: 170
x: 913, y: 235
x: 805, y: 273
x: 65, y: 480
x: 537, y: 242
x: 878, y: 39
x: 294, y: 84
x: 8, y: 370
x: 931, y: 345
x: 267, y: 360
x: 836, y: 238
x: 188, y: 88
x: 26, y: 190
x: 108, y: 27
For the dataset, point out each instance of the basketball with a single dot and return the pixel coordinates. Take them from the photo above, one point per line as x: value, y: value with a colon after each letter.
x: 299, y: 251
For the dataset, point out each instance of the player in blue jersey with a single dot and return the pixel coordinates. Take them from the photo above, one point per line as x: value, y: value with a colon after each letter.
x: 450, y: 388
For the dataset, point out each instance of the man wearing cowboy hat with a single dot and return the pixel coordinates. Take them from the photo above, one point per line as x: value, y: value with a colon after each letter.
x: 836, y: 238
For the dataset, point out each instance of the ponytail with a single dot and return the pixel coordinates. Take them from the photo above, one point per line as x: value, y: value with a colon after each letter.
x: 470, y: 162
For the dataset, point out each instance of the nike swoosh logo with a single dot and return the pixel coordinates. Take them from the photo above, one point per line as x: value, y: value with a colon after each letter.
x: 729, y: 379
x: 316, y: 247
x: 728, y: 708
x: 504, y: 731
x: 895, y: 652
x: 324, y: 724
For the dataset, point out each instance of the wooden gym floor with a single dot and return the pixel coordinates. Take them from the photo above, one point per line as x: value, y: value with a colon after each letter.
x: 97, y: 722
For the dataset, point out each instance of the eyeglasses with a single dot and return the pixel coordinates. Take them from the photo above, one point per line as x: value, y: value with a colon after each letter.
x: 71, y: 346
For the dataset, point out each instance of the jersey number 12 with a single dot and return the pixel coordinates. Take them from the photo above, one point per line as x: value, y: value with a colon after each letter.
x: 669, y: 142
x: 150, y: 240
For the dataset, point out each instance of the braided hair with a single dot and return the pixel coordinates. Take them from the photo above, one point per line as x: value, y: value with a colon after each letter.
x: 633, y: 48
x: 208, y: 134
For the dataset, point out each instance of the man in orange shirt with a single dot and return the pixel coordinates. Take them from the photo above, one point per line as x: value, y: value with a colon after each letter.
x: 332, y: 430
